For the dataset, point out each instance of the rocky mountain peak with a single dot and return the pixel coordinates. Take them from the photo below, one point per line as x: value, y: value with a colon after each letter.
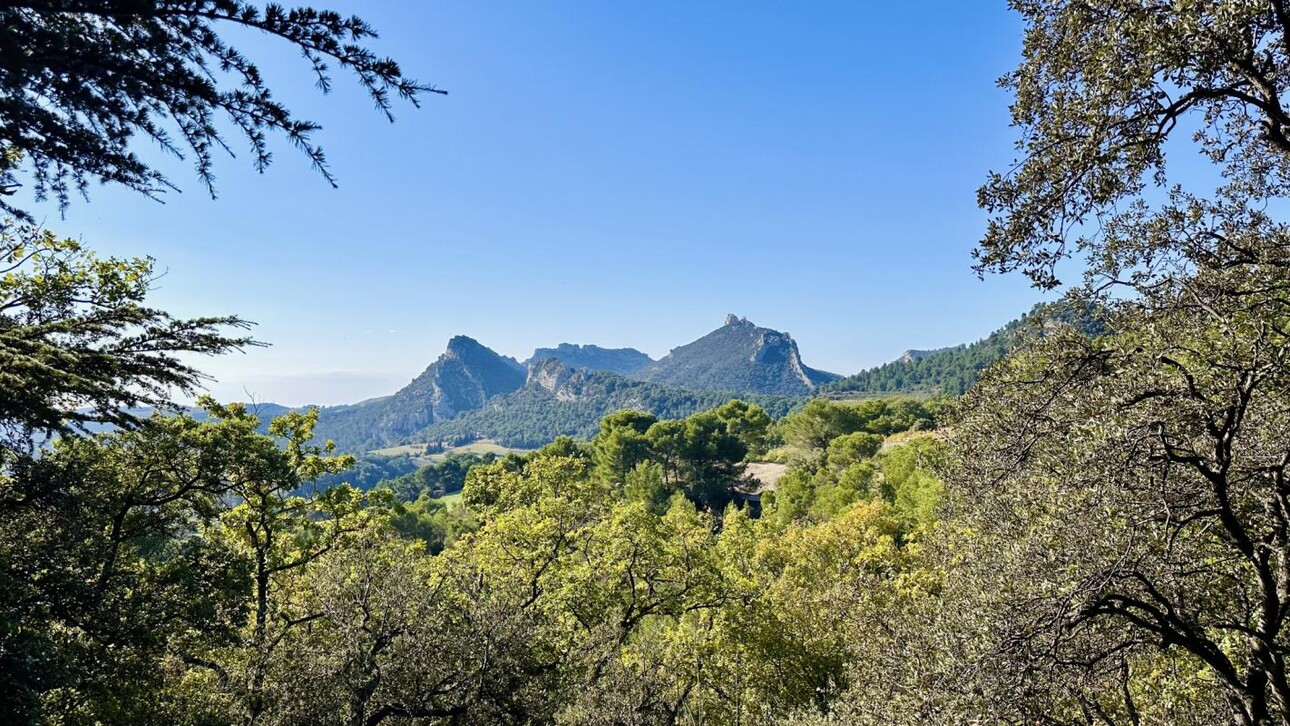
x: 459, y: 344
x: 774, y: 347
x: 739, y: 357
x: 548, y: 373
x: 463, y: 378
x: 623, y: 361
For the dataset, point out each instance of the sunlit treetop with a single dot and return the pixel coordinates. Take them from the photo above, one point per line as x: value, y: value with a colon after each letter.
x: 1102, y: 86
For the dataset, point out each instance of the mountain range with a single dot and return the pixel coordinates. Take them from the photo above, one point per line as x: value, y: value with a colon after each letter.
x: 471, y: 392
x: 738, y: 357
x: 558, y: 400
x: 623, y: 361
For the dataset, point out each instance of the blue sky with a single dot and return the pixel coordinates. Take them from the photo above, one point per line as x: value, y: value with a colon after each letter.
x: 619, y: 174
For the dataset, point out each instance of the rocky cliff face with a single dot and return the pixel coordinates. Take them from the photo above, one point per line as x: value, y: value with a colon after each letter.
x: 739, y: 357
x: 462, y: 379
x: 623, y: 361
x: 553, y: 376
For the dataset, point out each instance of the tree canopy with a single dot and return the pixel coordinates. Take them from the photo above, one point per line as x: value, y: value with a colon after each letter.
x: 1114, y: 545
x: 1098, y: 532
x: 1103, y: 90
x: 77, y: 343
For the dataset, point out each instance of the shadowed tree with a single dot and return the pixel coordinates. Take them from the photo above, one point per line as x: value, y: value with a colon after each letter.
x: 1126, y: 495
x: 81, y: 81
x: 79, y: 346
x: 1116, y: 540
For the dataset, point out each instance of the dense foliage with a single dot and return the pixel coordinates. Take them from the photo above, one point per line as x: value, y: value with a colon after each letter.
x: 185, y: 579
x: 1098, y: 532
x: 446, y: 476
x: 369, y: 470
x: 168, y: 541
x: 1114, y: 547
x: 78, y: 347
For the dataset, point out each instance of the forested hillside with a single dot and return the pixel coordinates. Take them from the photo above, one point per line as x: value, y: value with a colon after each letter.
x: 471, y: 392
x: 953, y: 370
x: 560, y: 401
x: 462, y: 379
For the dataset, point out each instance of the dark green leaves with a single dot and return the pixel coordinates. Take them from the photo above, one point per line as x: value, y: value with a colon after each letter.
x: 81, y: 82
x: 78, y: 344
x: 1104, y: 91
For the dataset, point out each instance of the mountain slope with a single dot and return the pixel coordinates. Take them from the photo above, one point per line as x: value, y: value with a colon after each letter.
x: 954, y: 370
x: 462, y: 379
x: 558, y: 400
x: 623, y: 361
x: 741, y: 357
x: 471, y: 392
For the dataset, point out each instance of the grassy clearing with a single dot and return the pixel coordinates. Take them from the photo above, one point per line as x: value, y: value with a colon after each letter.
x: 450, y: 500
x: 405, y: 450
x: 418, y: 450
x: 420, y: 458
x: 485, y: 447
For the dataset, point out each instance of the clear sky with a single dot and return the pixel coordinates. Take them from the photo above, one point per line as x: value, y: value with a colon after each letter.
x: 609, y: 173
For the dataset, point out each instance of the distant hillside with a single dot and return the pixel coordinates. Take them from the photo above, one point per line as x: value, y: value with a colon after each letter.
x: 558, y: 400
x: 462, y: 379
x: 954, y: 370
x: 266, y: 411
x: 471, y: 392
x: 739, y: 357
x: 623, y: 361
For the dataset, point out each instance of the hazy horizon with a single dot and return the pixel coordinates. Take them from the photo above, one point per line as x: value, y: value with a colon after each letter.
x: 340, y: 386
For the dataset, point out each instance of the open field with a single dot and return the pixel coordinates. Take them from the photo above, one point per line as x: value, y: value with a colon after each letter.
x: 406, y: 449
x: 450, y: 499
x: 485, y: 447
x: 420, y: 458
